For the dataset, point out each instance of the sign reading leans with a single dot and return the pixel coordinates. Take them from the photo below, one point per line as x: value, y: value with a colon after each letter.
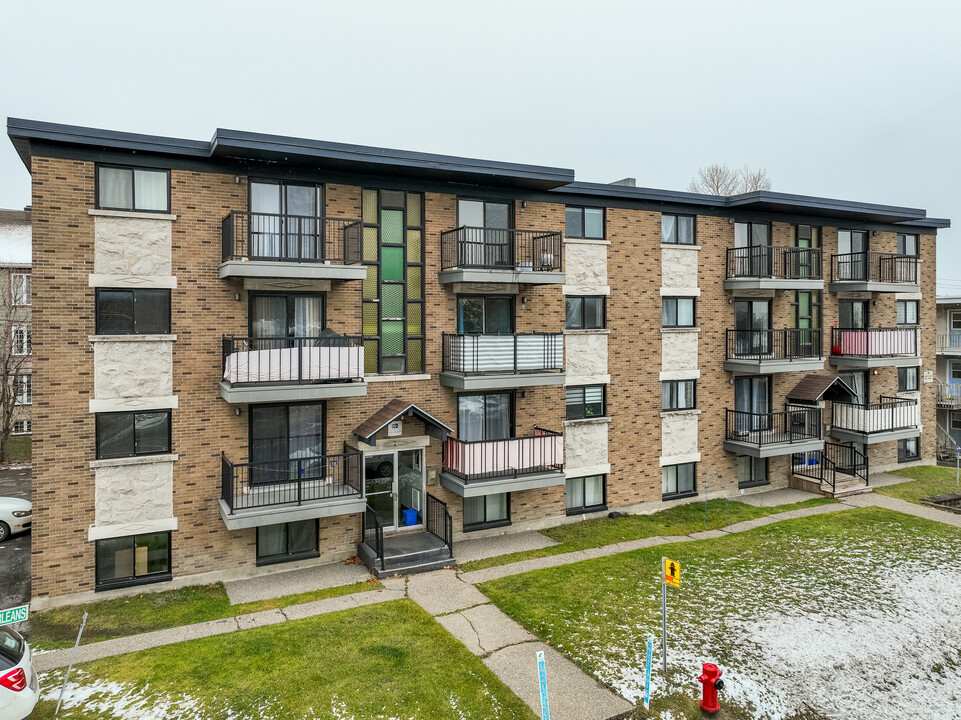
x: 14, y: 615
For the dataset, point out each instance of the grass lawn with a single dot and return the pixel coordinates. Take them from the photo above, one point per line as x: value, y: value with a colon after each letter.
x: 390, y: 660
x: 19, y: 448
x: 928, y: 480
x: 120, y: 617
x: 799, y: 615
x: 679, y: 520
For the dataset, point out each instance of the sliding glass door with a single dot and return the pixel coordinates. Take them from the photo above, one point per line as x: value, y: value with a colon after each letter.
x: 277, y: 316
x: 286, y: 442
x: 490, y: 246
x: 285, y: 221
x: 752, y: 400
x: 752, y: 321
x: 487, y: 416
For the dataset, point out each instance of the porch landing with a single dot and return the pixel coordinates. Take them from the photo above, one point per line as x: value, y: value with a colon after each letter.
x: 407, y: 554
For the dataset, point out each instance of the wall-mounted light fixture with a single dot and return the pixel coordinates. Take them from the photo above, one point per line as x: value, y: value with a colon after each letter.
x: 236, y: 179
x: 523, y: 203
x: 237, y: 296
x: 237, y: 412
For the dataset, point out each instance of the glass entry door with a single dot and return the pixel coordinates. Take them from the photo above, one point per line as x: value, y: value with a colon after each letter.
x: 395, y: 487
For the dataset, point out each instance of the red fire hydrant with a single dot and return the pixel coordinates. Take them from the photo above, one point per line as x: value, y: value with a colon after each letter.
x: 711, y: 680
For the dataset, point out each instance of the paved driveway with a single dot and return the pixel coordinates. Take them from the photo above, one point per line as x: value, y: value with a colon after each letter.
x: 15, y: 552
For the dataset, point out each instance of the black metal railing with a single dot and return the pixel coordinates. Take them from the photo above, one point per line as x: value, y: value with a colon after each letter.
x: 890, y: 413
x: 291, y: 238
x: 439, y: 522
x: 495, y: 249
x: 774, y: 261
x: 875, y: 342
x: 835, y: 462
x: 782, y: 344
x: 292, y: 360
x: 290, y: 482
x: 790, y: 426
x: 949, y: 341
x: 508, y: 353
x: 485, y: 459
x: 874, y: 267
x: 374, y: 534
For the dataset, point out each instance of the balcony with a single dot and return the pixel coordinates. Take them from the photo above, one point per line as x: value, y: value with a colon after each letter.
x: 949, y: 396
x: 874, y: 272
x: 254, y: 494
x: 772, y: 267
x: 771, y: 351
x: 761, y: 435
x: 493, y: 362
x: 475, y: 254
x: 949, y: 343
x: 891, y: 418
x: 287, y: 369
x: 485, y: 467
x: 875, y: 347
x: 262, y: 245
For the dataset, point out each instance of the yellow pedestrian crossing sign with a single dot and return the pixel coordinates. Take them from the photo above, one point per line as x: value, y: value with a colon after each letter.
x: 672, y: 573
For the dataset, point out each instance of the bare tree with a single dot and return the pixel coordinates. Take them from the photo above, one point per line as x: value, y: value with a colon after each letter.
x: 14, y: 362
x: 717, y: 179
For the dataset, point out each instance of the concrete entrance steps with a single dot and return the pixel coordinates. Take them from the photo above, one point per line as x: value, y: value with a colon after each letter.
x: 844, y: 486
x: 407, y: 554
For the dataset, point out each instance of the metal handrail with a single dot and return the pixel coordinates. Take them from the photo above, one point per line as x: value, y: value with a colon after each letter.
x: 500, y: 249
x: 514, y: 353
x: 290, y: 238
x: 902, y: 340
x: 890, y: 413
x: 374, y: 534
x: 790, y: 426
x: 297, y: 360
x: 472, y: 460
x: 949, y: 341
x: 774, y: 261
x: 440, y: 524
x: 771, y: 344
x: 874, y: 267
x: 825, y: 465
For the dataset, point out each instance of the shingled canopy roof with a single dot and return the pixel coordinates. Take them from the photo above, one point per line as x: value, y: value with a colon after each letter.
x: 367, y: 430
x: 814, y: 388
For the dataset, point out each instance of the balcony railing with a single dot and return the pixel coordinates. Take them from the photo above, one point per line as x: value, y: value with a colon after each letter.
x: 514, y: 354
x: 494, y: 249
x: 292, y: 360
x: 291, y: 238
x: 759, y: 429
x: 890, y: 413
x: 783, y: 344
x: 949, y: 341
x: 834, y: 462
x: 773, y: 261
x: 296, y: 481
x: 488, y: 459
x: 949, y: 395
x: 874, y: 267
x: 874, y: 342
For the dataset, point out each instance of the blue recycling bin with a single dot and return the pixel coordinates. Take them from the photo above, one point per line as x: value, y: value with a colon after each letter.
x: 410, y: 517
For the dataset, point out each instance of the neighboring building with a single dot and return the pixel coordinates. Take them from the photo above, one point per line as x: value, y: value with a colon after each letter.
x: 15, y: 277
x: 260, y: 349
x: 948, y: 329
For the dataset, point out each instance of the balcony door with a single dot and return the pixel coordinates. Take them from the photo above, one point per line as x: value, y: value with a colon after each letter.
x: 857, y: 380
x: 278, y: 319
x: 752, y: 400
x: 284, y: 221
x: 853, y: 314
x: 485, y: 416
x: 286, y: 442
x: 394, y: 487
x: 753, y: 241
x: 807, y: 317
x: 490, y: 246
x: 853, y: 247
x: 485, y: 315
x: 752, y: 323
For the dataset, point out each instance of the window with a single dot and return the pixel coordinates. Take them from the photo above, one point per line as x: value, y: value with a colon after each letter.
x: 954, y: 371
x: 585, y: 313
x: 908, y: 449
x: 124, y: 188
x: 807, y: 236
x: 677, y: 229
x: 126, y: 434
x: 133, y: 312
x: 22, y: 388
x: 286, y: 442
x: 585, y: 401
x: 677, y: 395
x: 857, y: 380
x: 751, y: 471
x: 284, y: 221
x: 586, y: 494
x: 852, y: 314
x: 486, y: 511
x: 908, y: 245
x: 907, y: 312
x: 485, y: 315
x: 677, y: 481
x: 955, y: 421
x: 20, y: 287
x: 582, y: 222
x: 20, y: 335
x: 677, y: 312
x: 133, y: 560
x: 485, y: 416
x: 287, y: 541
x: 907, y: 379
x: 22, y: 427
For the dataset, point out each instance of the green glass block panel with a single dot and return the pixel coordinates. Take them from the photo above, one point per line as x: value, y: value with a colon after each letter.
x: 371, y: 354
x: 415, y: 356
x: 413, y: 319
x: 392, y: 264
x: 369, y: 290
x: 392, y: 341
x: 392, y: 227
x: 370, y: 244
x: 370, y: 319
x: 392, y: 301
x: 413, y: 209
x: 414, y: 245
x: 392, y: 199
x: 415, y: 287
x: 370, y: 206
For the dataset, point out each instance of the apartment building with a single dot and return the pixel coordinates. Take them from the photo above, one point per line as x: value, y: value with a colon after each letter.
x: 15, y: 360
x: 948, y: 376
x: 260, y: 350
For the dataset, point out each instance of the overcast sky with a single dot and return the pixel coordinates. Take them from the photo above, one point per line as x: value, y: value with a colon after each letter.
x: 851, y: 100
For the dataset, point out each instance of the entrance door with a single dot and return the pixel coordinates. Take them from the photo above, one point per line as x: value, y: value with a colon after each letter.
x: 395, y: 487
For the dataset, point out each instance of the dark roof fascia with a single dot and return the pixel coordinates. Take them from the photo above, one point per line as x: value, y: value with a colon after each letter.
x: 784, y: 202
x: 408, y: 408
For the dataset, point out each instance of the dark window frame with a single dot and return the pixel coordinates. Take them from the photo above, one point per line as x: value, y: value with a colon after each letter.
x: 906, y: 304
x: 583, y: 403
x: 675, y: 298
x: 583, y: 234
x: 484, y: 393
x: 901, y: 243
x: 133, y: 414
x: 288, y: 556
x: 678, y: 494
x: 486, y: 524
x: 133, y: 292
x: 581, y: 313
x: 673, y: 386
x: 133, y: 187
x: 130, y: 581
x: 903, y: 455
x: 264, y: 406
x: 815, y: 235
x: 756, y: 483
x: 485, y: 297
x: 584, y: 509
x: 676, y: 217
x: 904, y: 374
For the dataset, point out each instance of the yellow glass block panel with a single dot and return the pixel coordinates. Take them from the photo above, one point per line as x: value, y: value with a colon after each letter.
x: 370, y: 319
x: 370, y: 244
x: 415, y: 287
x: 414, y: 245
x: 369, y: 290
x: 369, y: 206
x: 413, y: 209
x: 371, y: 354
x: 415, y: 356
x: 414, y: 325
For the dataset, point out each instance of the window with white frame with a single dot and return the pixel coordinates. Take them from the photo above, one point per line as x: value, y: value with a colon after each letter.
x: 21, y: 339
x: 21, y: 427
x: 20, y: 288
x: 22, y: 387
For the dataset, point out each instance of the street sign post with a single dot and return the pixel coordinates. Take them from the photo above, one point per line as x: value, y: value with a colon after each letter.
x: 670, y: 575
x: 647, y: 672
x: 14, y: 614
x: 542, y: 676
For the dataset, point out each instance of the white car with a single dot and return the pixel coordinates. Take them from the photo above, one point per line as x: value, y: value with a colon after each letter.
x: 19, y: 687
x: 16, y: 515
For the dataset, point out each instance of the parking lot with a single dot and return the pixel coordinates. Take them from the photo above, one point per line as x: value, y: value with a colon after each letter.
x: 15, y: 552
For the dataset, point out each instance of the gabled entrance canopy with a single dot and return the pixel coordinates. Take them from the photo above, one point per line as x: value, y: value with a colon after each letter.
x: 814, y: 388
x: 367, y: 430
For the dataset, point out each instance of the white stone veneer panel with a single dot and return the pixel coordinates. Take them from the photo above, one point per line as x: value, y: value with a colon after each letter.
x: 134, y: 493
x: 132, y: 246
x: 585, y: 264
x: 678, y: 267
x: 679, y: 352
x: 585, y: 445
x: 132, y: 369
x: 678, y: 434
x: 586, y: 354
